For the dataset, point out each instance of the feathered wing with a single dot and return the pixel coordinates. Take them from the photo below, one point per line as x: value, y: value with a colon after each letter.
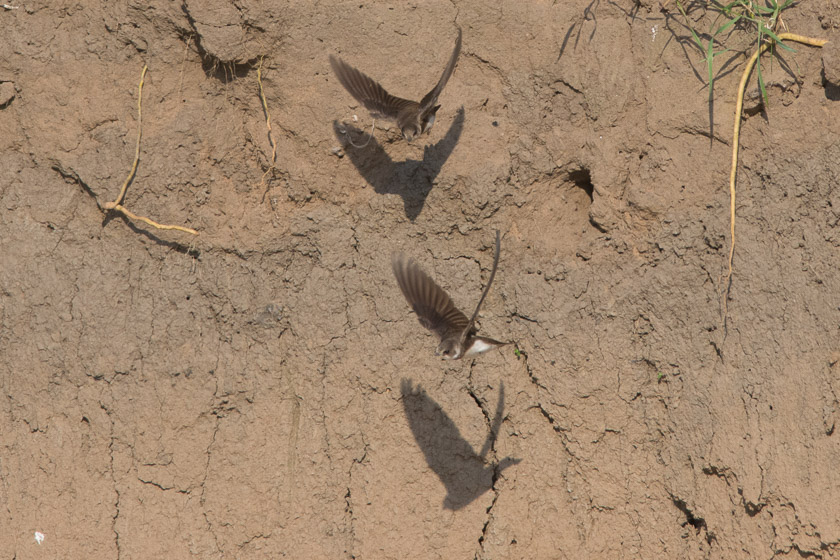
x: 471, y: 322
x: 433, y: 306
x: 428, y: 102
x: 368, y: 92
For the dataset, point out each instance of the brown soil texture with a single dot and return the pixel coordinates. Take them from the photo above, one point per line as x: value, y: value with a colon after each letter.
x: 263, y: 390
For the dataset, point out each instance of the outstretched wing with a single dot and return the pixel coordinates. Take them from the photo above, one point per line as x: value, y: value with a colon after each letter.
x: 428, y: 102
x: 433, y: 306
x: 471, y: 322
x: 368, y: 92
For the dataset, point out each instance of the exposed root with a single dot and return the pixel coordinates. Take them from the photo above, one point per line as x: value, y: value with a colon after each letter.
x: 116, y: 205
x: 133, y: 216
x: 133, y: 172
x: 739, y: 105
x: 272, y: 166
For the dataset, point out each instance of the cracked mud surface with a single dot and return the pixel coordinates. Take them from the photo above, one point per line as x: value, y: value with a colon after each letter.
x: 263, y: 391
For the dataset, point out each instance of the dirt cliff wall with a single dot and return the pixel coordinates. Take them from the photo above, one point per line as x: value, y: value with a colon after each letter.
x: 262, y: 389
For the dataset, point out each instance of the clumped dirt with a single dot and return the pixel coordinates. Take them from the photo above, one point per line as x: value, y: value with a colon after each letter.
x: 262, y: 390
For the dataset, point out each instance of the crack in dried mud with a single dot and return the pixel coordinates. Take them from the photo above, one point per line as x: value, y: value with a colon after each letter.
x: 490, y: 456
x: 203, y: 497
x: 116, y: 514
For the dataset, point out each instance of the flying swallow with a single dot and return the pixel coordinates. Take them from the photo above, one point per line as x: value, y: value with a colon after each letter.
x: 436, y: 312
x: 412, y: 117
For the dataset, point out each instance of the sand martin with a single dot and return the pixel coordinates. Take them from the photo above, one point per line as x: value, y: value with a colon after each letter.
x: 436, y: 312
x: 413, y: 118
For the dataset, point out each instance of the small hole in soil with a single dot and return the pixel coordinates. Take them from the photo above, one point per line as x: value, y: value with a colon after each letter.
x: 583, y: 179
x: 697, y: 522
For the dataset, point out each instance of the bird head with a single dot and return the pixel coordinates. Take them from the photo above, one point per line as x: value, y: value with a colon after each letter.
x: 411, y: 131
x: 449, y: 350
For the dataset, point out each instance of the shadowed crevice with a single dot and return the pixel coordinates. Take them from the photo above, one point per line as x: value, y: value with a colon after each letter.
x: 582, y: 179
x: 695, y: 521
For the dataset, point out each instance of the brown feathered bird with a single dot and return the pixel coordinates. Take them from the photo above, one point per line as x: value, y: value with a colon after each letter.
x: 412, y: 117
x: 436, y: 312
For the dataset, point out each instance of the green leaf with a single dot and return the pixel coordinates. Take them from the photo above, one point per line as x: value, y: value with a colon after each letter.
x: 710, y: 58
x: 728, y: 24
x: 778, y: 41
x: 761, y: 84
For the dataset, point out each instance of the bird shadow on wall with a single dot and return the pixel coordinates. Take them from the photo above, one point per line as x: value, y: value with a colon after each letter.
x: 411, y: 179
x: 465, y: 473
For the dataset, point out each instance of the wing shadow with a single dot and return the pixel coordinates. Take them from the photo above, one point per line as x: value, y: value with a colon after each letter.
x: 411, y: 179
x: 465, y: 474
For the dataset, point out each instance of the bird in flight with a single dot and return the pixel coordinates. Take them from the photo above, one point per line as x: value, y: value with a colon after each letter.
x: 436, y: 312
x: 412, y: 117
